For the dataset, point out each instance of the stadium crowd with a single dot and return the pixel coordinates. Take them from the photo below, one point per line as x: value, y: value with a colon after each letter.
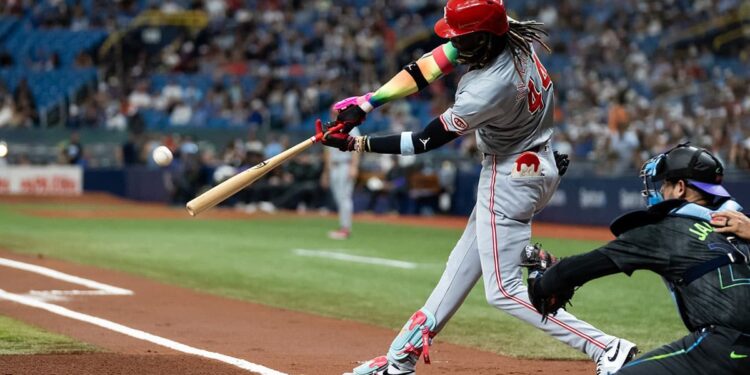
x: 632, y: 77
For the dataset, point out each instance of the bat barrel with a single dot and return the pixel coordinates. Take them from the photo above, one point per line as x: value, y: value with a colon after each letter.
x: 242, y: 180
x: 222, y: 191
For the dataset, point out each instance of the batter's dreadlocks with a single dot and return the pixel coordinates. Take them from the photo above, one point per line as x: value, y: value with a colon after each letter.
x: 478, y: 49
x: 520, y: 37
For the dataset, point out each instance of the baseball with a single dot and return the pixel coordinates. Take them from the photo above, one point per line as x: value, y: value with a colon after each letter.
x: 162, y: 156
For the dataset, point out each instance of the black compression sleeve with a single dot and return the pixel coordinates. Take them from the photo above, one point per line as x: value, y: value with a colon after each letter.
x: 416, y: 74
x: 575, y: 271
x: 431, y: 137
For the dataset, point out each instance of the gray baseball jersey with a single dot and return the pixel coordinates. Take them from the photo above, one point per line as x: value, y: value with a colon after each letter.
x: 510, y: 114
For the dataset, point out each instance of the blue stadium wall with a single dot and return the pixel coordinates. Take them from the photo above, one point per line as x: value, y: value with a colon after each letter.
x: 585, y: 200
x: 139, y: 183
x: 579, y: 200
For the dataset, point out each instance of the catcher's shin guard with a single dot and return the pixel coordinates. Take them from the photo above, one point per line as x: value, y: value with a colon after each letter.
x: 414, y: 338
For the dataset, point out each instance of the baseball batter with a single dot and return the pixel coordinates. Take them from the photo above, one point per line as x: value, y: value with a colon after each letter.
x: 506, y: 99
x: 340, y: 174
x: 705, y: 269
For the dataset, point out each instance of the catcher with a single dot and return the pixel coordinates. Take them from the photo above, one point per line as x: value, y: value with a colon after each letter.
x: 706, y: 271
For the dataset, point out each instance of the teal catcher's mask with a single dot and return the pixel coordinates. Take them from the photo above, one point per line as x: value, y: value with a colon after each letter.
x: 651, y: 183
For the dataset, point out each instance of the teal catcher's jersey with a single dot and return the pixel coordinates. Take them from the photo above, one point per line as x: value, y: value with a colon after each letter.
x: 674, y: 245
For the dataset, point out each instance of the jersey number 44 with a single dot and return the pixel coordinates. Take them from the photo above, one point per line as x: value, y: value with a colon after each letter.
x: 535, y: 97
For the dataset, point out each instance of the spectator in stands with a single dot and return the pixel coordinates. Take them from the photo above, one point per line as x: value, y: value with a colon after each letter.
x: 139, y: 98
x: 291, y: 105
x: 258, y: 115
x: 7, y: 107
x: 180, y: 113
x: 25, y: 104
x: 236, y: 92
x: 5, y: 58
x: 234, y: 153
x: 185, y: 173
x: 259, y: 194
x: 72, y: 152
x: 79, y: 19
x: 621, y: 69
x: 172, y: 92
x: 276, y: 144
x: 130, y: 151
x: 390, y: 183
x: 301, y: 178
x: 252, y: 143
x: 7, y: 111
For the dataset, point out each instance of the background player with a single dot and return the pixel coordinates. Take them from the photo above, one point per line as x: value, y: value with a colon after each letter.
x: 340, y: 174
x: 706, y: 271
x: 506, y: 99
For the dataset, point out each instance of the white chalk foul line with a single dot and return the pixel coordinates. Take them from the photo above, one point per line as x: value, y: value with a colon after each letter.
x: 103, y: 288
x: 145, y: 336
x: 69, y: 293
x: 355, y: 258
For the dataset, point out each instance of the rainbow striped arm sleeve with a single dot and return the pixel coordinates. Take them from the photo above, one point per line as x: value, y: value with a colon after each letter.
x: 432, y: 66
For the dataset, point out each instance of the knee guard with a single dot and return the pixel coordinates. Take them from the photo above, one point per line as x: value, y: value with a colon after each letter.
x: 414, y: 339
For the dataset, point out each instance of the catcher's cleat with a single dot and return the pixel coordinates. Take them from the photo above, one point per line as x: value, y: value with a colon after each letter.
x: 617, y: 354
x: 379, y: 366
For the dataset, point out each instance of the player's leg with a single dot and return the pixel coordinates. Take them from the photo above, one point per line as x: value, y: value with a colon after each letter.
x: 709, y: 351
x: 462, y: 271
x: 460, y: 275
x: 334, y: 177
x: 346, y: 205
x: 505, y: 207
x: 341, y: 189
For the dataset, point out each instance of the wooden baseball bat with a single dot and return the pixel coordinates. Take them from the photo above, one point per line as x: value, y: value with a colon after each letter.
x: 226, y: 189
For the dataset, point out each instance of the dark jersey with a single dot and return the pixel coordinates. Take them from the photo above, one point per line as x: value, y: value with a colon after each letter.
x: 671, y: 245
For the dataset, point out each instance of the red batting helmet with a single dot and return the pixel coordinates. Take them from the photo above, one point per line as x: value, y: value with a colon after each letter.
x: 468, y: 16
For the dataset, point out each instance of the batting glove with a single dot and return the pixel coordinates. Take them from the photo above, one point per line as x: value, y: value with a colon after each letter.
x: 351, y: 116
x: 350, y: 113
x: 340, y: 140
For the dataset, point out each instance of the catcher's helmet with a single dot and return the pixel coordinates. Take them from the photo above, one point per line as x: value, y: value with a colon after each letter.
x: 467, y: 16
x: 698, y: 167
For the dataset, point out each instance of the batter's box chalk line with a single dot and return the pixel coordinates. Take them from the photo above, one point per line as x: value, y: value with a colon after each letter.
x: 107, y: 324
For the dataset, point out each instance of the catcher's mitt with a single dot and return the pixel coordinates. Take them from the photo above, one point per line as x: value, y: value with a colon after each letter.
x: 538, y: 260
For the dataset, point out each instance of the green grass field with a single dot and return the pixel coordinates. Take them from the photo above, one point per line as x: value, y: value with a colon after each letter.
x: 20, y: 338
x: 254, y: 260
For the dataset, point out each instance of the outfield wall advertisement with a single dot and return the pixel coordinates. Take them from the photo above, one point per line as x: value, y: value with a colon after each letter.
x: 598, y: 201
x: 41, y: 180
x: 586, y: 200
x: 579, y: 200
